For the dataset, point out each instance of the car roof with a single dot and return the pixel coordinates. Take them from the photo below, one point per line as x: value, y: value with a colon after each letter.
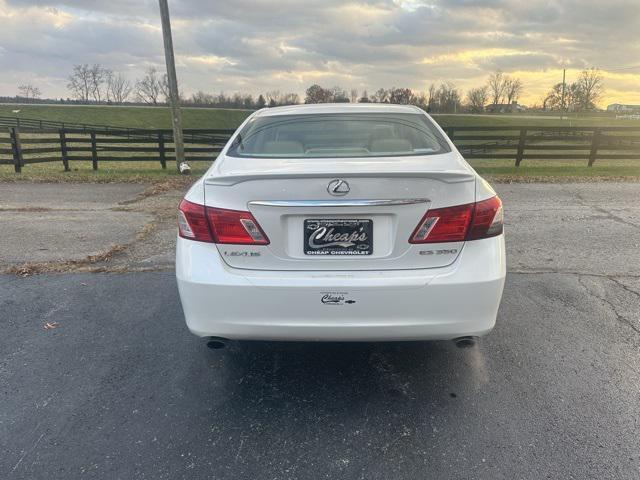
x: 314, y: 108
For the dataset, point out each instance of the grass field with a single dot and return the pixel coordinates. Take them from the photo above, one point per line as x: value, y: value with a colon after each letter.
x: 132, y: 117
x: 158, y: 117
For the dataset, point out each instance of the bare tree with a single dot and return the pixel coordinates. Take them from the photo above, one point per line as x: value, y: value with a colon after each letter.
x: 28, y: 92
x: 447, y: 98
x: 497, y: 85
x: 513, y: 89
x: 477, y: 99
x: 354, y: 95
x: 274, y: 98
x: 80, y: 84
x: 338, y: 95
x: 381, y: 96
x: 97, y: 77
x: 118, y: 87
x: 151, y: 88
x: 554, y: 99
x: 590, y: 88
x: 401, y: 96
x: 290, y: 99
x: 431, y: 98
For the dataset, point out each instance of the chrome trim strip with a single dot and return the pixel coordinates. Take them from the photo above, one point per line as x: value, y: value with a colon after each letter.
x: 337, y: 203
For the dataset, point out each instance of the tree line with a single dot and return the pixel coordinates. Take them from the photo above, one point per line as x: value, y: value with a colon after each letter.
x: 443, y: 98
x: 501, y: 92
x: 97, y: 84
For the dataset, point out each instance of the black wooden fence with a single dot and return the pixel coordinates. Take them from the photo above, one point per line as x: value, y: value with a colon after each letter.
x: 520, y: 143
x: 20, y: 146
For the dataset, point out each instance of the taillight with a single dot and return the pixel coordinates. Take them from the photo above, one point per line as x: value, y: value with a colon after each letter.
x: 192, y: 222
x: 488, y: 219
x: 447, y: 224
x: 234, y: 226
x: 461, y: 222
x: 217, y: 225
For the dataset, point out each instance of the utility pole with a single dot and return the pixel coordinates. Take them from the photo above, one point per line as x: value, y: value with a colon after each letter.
x: 564, y: 75
x: 174, y: 97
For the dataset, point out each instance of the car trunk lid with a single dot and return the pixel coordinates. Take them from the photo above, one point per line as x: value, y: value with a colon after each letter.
x: 375, y: 210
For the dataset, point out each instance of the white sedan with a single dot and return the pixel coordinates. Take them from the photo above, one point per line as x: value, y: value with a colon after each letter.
x: 340, y: 222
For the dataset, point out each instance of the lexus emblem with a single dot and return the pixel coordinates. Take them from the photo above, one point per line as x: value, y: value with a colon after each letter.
x: 338, y: 187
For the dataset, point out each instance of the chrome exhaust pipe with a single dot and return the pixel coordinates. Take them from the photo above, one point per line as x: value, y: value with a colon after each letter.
x: 217, y: 343
x: 465, y: 342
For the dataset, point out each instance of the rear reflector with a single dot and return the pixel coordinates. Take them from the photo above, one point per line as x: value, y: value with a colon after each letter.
x: 217, y: 225
x: 461, y: 222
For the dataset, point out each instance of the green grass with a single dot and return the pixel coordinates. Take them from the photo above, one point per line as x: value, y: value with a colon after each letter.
x: 159, y: 117
x: 559, y: 170
x: 81, y: 171
x: 499, y: 120
x: 132, y: 117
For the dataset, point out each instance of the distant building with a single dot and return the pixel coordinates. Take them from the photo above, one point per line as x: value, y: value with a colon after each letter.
x: 623, y: 108
x: 512, y: 107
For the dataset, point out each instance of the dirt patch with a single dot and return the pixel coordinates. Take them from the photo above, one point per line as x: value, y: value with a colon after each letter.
x: 28, y: 269
x: 178, y: 183
x: 131, y: 230
x: 26, y: 209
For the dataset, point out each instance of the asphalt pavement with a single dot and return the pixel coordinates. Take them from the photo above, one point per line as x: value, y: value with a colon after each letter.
x: 99, y: 377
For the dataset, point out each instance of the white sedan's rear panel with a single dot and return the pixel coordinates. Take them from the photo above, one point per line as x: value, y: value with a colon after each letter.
x: 441, y: 303
x: 340, y: 223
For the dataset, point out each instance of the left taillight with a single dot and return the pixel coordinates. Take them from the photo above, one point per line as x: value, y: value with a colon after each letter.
x: 218, y: 225
x: 192, y: 222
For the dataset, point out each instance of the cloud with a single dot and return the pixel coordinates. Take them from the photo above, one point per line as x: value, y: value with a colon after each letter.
x: 259, y: 45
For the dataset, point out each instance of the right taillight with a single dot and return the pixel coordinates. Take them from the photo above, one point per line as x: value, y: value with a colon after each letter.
x: 218, y: 225
x: 488, y: 219
x: 471, y: 221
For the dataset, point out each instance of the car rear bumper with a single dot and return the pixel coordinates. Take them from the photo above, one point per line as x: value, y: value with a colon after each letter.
x: 440, y: 303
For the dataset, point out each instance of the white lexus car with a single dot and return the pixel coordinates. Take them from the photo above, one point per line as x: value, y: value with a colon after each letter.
x: 356, y: 222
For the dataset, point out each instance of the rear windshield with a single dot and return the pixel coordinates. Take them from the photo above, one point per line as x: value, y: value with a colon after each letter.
x: 338, y: 135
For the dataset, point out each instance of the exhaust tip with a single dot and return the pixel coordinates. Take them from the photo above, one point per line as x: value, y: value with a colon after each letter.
x: 217, y: 343
x: 465, y: 342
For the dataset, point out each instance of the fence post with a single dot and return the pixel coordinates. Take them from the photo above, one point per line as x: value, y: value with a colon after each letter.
x: 595, y: 143
x: 16, y: 147
x: 63, y: 151
x: 450, y: 131
x: 521, y: 145
x: 94, y: 151
x: 163, y: 155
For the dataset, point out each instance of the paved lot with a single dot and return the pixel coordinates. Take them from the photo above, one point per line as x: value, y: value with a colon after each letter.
x: 120, y: 390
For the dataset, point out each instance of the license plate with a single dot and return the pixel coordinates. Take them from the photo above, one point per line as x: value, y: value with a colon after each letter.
x: 338, y: 237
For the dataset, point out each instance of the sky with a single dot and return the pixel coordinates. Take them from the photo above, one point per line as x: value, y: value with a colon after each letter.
x: 255, y: 46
